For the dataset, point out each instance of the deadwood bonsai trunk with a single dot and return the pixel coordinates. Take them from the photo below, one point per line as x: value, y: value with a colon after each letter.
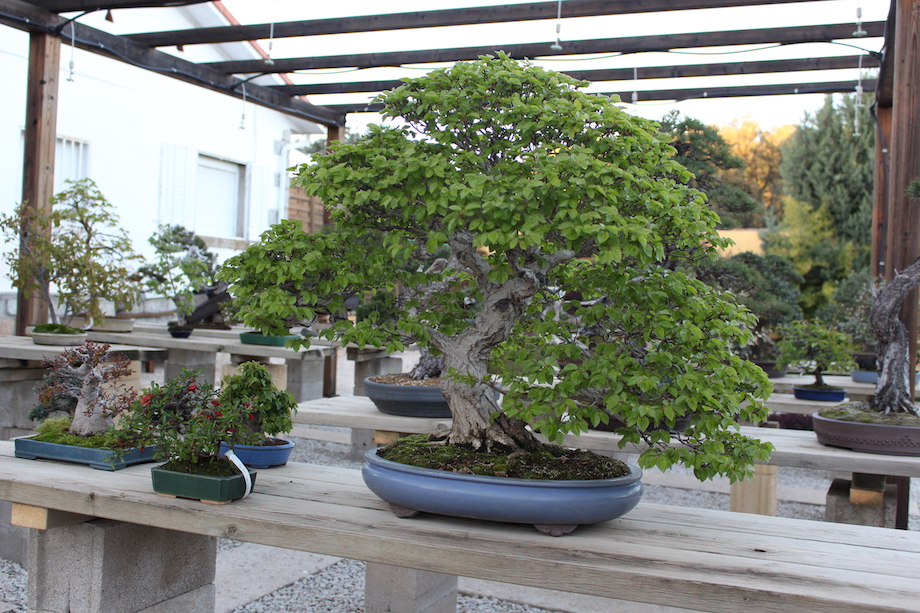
x: 892, y: 394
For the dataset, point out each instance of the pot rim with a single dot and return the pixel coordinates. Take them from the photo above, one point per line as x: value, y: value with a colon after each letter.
x: 635, y: 474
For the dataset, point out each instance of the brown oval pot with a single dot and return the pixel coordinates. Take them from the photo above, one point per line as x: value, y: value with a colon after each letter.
x: 871, y: 438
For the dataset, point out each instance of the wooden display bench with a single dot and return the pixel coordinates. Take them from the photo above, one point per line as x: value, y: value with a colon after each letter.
x: 793, y: 448
x: 704, y: 560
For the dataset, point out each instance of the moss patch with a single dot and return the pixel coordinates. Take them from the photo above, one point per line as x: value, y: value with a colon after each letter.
x: 545, y: 462
x: 57, y: 430
x: 861, y: 413
x: 56, y: 329
x: 213, y: 467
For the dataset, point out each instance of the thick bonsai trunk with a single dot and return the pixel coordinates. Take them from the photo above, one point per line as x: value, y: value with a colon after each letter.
x: 892, y: 393
x: 86, y: 421
x: 428, y: 366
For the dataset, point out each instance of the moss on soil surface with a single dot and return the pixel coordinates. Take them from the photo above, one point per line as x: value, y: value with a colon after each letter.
x: 860, y: 412
x: 57, y: 430
x: 546, y: 462
x: 213, y: 467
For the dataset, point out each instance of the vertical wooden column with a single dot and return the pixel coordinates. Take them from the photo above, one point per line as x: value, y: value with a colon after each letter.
x: 903, y: 227
x: 332, y: 133
x: 880, y: 190
x: 40, y: 141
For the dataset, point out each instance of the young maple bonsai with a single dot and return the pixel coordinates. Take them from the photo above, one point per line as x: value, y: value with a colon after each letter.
x: 540, y: 191
x: 77, y: 249
x: 82, y: 387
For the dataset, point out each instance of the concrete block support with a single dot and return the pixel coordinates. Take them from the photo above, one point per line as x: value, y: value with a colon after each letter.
x: 370, y: 368
x: 839, y: 509
x: 305, y: 376
x: 183, y: 358
x: 14, y: 540
x: 103, y: 566
x: 392, y: 589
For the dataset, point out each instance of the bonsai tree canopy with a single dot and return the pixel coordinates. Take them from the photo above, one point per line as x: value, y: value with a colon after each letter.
x: 184, y: 266
x: 265, y: 409
x: 78, y: 248
x: 540, y: 191
x: 83, y: 381
x: 817, y: 346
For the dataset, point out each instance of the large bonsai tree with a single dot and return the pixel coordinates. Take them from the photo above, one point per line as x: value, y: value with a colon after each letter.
x: 560, y: 211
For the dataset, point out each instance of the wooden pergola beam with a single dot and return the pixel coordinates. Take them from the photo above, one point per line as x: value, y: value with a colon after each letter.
x: 30, y: 18
x: 626, y: 74
x: 693, y: 94
x: 428, y: 19
x: 66, y: 6
x: 631, y: 44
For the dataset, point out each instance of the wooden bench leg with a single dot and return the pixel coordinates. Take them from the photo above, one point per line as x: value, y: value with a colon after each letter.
x: 393, y: 589
x: 757, y: 495
x: 102, y: 566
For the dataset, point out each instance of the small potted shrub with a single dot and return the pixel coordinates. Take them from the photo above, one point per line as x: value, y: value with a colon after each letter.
x: 848, y: 312
x: 184, y: 268
x: 818, y: 349
x: 78, y: 400
x: 57, y: 334
x: 265, y: 410
x: 185, y: 422
x: 78, y: 249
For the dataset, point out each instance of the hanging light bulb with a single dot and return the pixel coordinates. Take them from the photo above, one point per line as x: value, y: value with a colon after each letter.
x: 72, y: 46
x: 243, y: 116
x: 557, y: 46
x: 859, y: 29
x: 271, y: 42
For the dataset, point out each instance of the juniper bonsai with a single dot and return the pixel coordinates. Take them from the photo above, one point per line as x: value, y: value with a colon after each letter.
x: 560, y: 211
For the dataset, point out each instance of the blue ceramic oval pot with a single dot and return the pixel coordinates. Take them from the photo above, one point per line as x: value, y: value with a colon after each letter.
x: 504, y: 499
x: 260, y: 456
x: 804, y: 393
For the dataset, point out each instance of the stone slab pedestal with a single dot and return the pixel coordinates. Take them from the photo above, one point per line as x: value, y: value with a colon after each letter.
x: 839, y: 509
x: 103, y: 566
x: 392, y: 589
x: 306, y: 376
x: 369, y: 363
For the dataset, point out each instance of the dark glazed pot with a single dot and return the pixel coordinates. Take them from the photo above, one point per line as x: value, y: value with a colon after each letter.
x: 871, y: 438
x: 407, y: 400
x: 804, y: 393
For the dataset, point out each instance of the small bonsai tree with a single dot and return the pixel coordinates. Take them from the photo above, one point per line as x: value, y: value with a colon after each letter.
x: 77, y: 248
x: 185, y: 421
x: 183, y: 267
x: 83, y: 382
x: 540, y: 191
x: 817, y: 347
x: 265, y: 409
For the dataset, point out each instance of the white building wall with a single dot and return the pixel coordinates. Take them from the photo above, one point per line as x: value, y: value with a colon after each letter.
x: 145, y: 130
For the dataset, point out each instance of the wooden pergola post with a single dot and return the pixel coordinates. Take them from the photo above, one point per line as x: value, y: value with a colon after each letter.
x: 38, y: 155
x: 902, y: 236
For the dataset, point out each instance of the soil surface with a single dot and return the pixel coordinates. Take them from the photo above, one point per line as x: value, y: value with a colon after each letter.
x: 405, y: 379
x: 545, y: 462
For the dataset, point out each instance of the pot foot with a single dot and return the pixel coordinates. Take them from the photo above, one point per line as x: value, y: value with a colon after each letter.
x: 556, y: 529
x: 402, y: 512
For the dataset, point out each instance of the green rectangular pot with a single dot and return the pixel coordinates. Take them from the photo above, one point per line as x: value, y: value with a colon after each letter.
x: 254, y: 338
x: 199, y: 487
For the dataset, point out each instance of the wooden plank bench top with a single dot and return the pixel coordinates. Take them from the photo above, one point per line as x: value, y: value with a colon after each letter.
x: 22, y: 348
x: 795, y: 448
x: 706, y: 560
x: 209, y: 344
